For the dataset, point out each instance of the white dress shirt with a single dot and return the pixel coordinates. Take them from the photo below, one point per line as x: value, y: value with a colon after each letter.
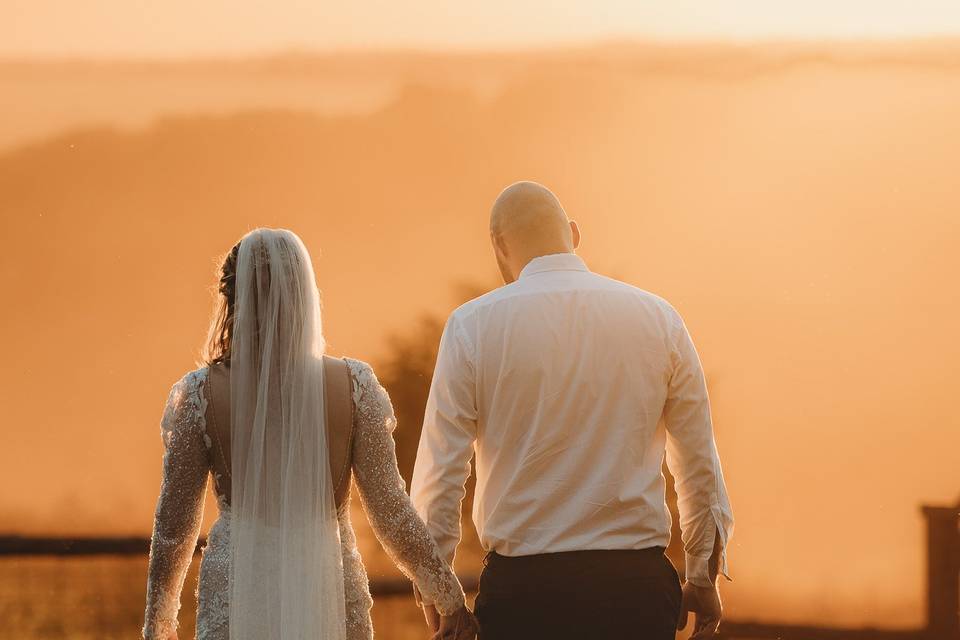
x: 557, y: 383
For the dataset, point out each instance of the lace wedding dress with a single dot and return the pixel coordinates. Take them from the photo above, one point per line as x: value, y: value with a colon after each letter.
x: 186, y: 465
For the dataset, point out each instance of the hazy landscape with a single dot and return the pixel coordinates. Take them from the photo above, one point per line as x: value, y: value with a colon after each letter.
x: 102, y: 599
x: 799, y: 204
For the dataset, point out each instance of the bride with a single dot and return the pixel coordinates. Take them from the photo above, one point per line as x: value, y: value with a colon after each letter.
x: 281, y: 428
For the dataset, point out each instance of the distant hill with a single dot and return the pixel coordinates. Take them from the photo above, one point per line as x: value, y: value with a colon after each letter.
x: 42, y: 98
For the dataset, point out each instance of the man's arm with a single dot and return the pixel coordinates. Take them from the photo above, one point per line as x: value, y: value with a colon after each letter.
x: 446, y: 442
x: 706, y: 520
x: 703, y: 601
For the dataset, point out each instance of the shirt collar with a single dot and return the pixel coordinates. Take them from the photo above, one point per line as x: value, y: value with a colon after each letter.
x: 554, y: 262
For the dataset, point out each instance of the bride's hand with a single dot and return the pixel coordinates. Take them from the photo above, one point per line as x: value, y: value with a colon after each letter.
x: 432, y: 616
x: 461, y: 625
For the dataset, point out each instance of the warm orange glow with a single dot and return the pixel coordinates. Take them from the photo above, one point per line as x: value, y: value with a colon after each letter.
x: 800, y: 206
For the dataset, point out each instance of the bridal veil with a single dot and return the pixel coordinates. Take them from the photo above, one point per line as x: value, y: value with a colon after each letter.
x: 286, y: 568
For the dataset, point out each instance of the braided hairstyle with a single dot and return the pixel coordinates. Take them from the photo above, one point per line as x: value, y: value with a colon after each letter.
x: 220, y: 337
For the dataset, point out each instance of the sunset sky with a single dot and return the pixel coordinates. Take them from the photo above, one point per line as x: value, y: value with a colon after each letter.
x: 184, y: 28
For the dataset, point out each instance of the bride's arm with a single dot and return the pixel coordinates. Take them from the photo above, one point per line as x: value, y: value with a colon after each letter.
x: 356, y: 587
x: 382, y: 492
x: 179, y: 508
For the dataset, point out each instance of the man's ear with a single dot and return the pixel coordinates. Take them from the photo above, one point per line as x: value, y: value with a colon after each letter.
x: 575, y: 230
x: 498, y: 244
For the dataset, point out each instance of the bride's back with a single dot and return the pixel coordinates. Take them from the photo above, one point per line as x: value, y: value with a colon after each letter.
x: 338, y: 403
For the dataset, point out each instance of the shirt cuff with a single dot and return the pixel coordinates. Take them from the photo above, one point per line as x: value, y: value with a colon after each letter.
x: 698, y: 570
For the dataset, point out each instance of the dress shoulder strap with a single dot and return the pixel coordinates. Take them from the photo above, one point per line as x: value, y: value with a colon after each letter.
x: 338, y: 400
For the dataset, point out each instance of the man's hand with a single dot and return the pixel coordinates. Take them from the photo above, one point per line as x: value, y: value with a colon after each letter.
x: 457, y: 626
x: 704, y: 602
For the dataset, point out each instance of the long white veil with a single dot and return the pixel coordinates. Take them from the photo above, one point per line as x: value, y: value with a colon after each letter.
x: 286, y: 570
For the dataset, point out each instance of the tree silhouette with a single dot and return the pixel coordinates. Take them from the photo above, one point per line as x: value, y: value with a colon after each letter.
x: 406, y: 371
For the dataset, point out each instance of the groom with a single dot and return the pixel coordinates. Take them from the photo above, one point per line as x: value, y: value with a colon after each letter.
x: 568, y: 387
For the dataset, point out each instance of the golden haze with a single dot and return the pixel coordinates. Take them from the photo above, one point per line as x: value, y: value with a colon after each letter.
x: 798, y: 205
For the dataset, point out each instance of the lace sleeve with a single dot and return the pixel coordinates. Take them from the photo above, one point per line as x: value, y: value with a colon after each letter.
x: 180, y: 506
x: 393, y: 518
x: 356, y: 590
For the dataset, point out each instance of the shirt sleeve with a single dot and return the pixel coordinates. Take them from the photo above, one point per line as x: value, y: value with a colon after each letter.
x: 692, y: 458
x: 446, y: 442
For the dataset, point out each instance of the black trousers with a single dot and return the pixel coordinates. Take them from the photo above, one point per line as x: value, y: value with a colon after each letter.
x: 587, y: 595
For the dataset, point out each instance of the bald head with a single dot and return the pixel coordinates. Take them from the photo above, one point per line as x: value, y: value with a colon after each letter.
x: 527, y: 210
x: 528, y: 221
